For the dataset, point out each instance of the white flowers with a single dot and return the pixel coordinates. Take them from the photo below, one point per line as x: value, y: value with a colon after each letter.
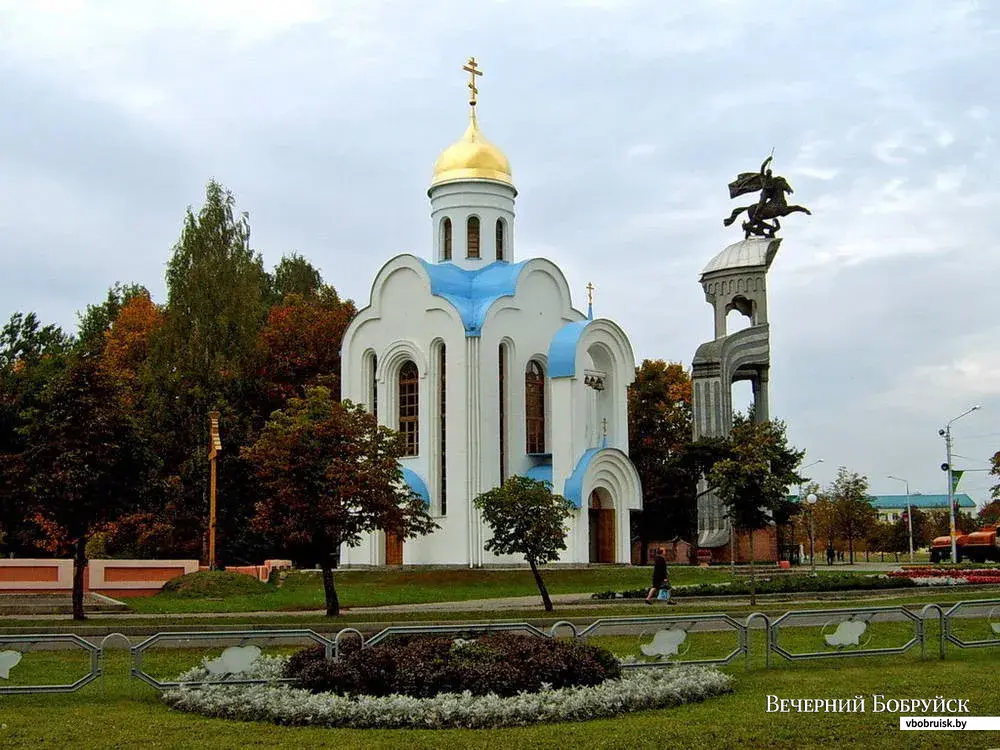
x: 635, y: 691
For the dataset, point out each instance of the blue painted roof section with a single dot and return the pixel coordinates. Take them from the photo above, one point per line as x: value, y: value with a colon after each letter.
x: 416, y: 483
x: 540, y: 473
x: 562, y: 350
x: 921, y: 501
x: 473, y: 292
x: 894, y: 502
x: 574, y: 484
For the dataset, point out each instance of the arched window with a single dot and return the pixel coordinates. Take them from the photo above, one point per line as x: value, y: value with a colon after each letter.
x: 373, y: 372
x: 499, y: 239
x: 446, y: 238
x: 442, y: 437
x: 534, y: 407
x: 409, y: 407
x: 502, y: 394
x: 472, y: 227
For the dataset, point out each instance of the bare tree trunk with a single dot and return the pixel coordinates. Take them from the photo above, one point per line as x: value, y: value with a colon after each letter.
x: 753, y: 573
x: 329, y: 590
x: 79, y: 567
x: 850, y: 549
x: 541, y: 586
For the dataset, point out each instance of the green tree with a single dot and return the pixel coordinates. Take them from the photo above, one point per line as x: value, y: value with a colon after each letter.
x: 96, y: 321
x: 995, y: 471
x: 526, y: 519
x: 752, y: 481
x: 204, y: 356
x: 660, y: 426
x: 853, y: 512
x: 331, y: 474
x: 296, y: 275
x: 31, y: 356
x: 85, y: 461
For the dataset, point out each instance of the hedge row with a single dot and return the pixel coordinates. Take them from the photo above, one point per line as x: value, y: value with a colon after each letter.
x: 783, y: 585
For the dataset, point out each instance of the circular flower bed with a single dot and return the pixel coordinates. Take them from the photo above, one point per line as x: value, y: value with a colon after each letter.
x: 635, y: 690
x: 422, y: 667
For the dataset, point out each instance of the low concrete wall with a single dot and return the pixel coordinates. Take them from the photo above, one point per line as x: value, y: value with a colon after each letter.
x: 135, y: 577
x: 36, y: 575
x: 109, y: 577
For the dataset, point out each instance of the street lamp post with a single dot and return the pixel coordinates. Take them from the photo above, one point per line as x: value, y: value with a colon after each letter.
x: 909, y: 513
x: 812, y: 559
x: 946, y: 434
x: 811, y: 499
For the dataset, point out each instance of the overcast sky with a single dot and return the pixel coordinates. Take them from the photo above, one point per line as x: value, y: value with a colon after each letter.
x: 624, y: 121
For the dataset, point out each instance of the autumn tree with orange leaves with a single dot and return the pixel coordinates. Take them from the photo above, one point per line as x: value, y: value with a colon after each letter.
x: 330, y: 474
x: 660, y: 431
x: 300, y: 345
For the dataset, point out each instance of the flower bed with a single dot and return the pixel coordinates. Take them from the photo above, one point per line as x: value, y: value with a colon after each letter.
x: 637, y: 690
x: 420, y: 666
x: 949, y: 576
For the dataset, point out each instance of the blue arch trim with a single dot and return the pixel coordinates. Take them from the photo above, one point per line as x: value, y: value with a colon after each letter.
x: 574, y: 484
x: 473, y: 292
x: 416, y: 483
x: 540, y: 473
x: 562, y: 349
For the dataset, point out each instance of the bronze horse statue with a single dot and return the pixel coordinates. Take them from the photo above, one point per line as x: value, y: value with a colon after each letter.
x: 770, y: 207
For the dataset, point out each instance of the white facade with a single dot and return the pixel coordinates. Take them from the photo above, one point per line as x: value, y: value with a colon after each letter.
x: 451, y: 316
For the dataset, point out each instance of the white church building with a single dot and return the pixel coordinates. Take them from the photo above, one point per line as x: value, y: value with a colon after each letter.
x: 482, y: 362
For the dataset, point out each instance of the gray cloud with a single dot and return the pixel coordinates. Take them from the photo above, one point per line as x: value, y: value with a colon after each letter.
x: 624, y: 122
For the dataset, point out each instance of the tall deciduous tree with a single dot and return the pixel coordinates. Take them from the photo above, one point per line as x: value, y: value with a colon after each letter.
x: 995, y: 471
x: 204, y: 357
x: 526, y: 519
x: 330, y: 474
x: 31, y: 356
x: 85, y: 459
x: 300, y: 345
x: 296, y: 275
x: 96, y: 321
x: 752, y: 481
x: 989, y: 514
x: 852, y: 508
x: 660, y: 426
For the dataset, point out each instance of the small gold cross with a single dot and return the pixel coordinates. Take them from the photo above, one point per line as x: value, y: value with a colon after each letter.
x: 473, y: 70
x: 590, y: 292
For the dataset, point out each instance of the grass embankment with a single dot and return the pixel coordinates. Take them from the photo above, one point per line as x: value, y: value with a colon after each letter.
x: 129, y: 714
x: 370, y: 588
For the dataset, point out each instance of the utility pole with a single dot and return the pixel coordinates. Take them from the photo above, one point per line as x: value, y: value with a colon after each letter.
x: 946, y: 434
x: 214, y: 446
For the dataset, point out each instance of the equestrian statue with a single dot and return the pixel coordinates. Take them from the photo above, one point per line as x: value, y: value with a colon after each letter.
x: 762, y: 217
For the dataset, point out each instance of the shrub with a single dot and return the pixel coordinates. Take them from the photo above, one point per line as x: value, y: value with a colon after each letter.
x: 423, y: 667
x: 214, y: 583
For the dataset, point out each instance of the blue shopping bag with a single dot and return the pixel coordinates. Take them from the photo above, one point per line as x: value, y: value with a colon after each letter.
x: 664, y: 594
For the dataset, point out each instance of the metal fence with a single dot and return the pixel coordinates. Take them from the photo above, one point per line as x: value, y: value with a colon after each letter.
x: 654, y: 642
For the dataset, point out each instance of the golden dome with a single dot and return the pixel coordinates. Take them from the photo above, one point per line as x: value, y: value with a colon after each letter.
x: 472, y: 157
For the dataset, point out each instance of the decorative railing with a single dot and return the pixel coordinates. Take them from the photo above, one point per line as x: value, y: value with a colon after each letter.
x: 68, y: 662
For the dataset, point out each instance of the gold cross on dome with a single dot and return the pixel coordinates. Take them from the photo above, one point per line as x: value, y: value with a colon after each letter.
x: 473, y: 70
x: 604, y: 426
x: 590, y: 292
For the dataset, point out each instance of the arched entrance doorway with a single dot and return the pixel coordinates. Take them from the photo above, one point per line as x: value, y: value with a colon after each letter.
x: 393, y: 549
x: 602, y: 527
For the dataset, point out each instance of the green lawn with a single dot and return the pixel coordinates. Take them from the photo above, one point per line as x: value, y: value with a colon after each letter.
x: 535, y: 614
x: 125, y: 713
x: 366, y: 588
